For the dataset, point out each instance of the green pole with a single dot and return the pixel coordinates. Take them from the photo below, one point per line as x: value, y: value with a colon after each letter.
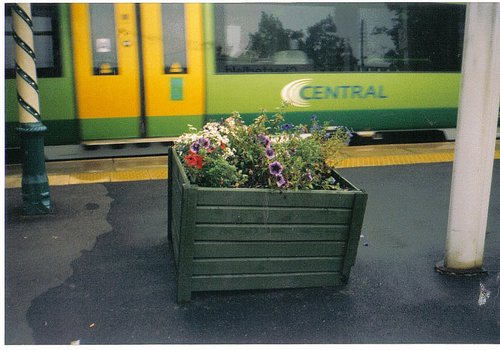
x: 35, y: 183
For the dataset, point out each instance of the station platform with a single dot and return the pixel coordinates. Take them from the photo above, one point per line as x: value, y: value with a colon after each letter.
x: 118, y: 165
x: 99, y: 270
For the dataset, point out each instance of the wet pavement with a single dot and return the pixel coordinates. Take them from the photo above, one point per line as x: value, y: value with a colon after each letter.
x: 99, y: 270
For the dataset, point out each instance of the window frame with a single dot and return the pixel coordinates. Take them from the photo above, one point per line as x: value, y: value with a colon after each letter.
x: 167, y: 70
x: 231, y: 66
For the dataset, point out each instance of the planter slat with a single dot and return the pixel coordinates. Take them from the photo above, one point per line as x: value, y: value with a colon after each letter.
x: 267, y: 249
x: 175, y: 239
x: 177, y: 185
x: 266, y: 281
x: 176, y: 204
x: 359, y: 207
x: 269, y: 198
x: 246, y: 215
x: 176, y: 167
x: 270, y: 232
x: 265, y: 265
x: 169, y: 195
x: 229, y: 239
x: 185, y: 266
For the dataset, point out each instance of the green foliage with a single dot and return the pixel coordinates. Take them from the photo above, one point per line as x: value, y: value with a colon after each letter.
x: 220, y: 173
x: 269, y: 153
x: 411, y: 23
x: 270, y: 37
x: 329, y: 51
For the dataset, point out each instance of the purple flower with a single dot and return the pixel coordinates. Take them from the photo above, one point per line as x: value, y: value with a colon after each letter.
x: 204, y: 142
x: 315, y: 127
x: 275, y: 168
x: 195, y: 147
x: 286, y: 126
x: 264, y: 140
x: 309, y: 175
x: 270, y: 154
x: 280, y: 180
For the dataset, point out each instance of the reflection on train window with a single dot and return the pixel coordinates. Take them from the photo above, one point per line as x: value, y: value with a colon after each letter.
x: 46, y: 41
x: 174, y: 38
x: 102, y: 24
x: 348, y: 37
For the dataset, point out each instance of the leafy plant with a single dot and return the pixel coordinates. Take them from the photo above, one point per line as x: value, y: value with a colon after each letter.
x: 269, y: 153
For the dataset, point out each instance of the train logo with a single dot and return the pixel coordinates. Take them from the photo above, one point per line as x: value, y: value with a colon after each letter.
x: 292, y: 93
x: 299, y: 93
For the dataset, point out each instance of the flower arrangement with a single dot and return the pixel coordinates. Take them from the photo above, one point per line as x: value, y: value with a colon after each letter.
x: 268, y: 153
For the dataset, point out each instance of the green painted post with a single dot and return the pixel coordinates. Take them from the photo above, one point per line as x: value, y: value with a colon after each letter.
x: 35, y: 183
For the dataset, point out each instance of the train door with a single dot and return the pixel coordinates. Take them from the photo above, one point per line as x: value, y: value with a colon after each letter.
x: 139, y: 69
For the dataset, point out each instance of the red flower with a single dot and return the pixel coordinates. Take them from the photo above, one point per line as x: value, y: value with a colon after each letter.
x: 222, y: 145
x: 194, y: 160
x: 190, y: 160
x: 199, y: 162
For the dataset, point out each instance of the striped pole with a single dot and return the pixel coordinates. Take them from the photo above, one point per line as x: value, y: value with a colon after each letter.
x: 35, y: 183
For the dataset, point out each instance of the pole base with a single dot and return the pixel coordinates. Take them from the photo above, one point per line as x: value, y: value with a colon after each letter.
x: 35, y: 183
x: 36, y: 198
x: 443, y: 270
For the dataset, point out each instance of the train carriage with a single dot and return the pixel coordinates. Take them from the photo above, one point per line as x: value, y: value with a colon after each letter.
x: 135, y: 72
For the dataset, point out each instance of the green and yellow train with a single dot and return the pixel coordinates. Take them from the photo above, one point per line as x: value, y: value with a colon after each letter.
x: 115, y: 71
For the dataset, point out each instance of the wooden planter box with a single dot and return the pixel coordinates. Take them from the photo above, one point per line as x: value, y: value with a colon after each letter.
x: 237, y: 238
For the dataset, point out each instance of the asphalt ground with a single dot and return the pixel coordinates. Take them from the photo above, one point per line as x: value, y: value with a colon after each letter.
x: 99, y: 270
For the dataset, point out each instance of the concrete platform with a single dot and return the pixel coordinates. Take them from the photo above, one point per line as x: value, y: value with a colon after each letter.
x: 99, y: 270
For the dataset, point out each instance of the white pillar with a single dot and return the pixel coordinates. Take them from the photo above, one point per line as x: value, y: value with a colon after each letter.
x: 475, y: 142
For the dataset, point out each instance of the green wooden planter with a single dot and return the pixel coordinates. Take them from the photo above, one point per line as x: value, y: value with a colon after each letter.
x: 238, y: 238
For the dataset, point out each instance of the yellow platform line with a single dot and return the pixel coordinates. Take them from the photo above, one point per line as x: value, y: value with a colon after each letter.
x: 14, y: 181
x: 87, y: 178
x: 159, y: 172
x: 139, y: 175
x: 353, y: 162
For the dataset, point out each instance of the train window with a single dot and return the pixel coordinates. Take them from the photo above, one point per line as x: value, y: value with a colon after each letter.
x: 103, y: 36
x: 46, y: 40
x: 174, y: 38
x: 330, y: 37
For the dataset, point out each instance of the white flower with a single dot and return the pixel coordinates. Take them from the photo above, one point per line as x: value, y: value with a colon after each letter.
x: 230, y: 122
x: 187, y: 138
x: 280, y: 138
x: 228, y: 152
